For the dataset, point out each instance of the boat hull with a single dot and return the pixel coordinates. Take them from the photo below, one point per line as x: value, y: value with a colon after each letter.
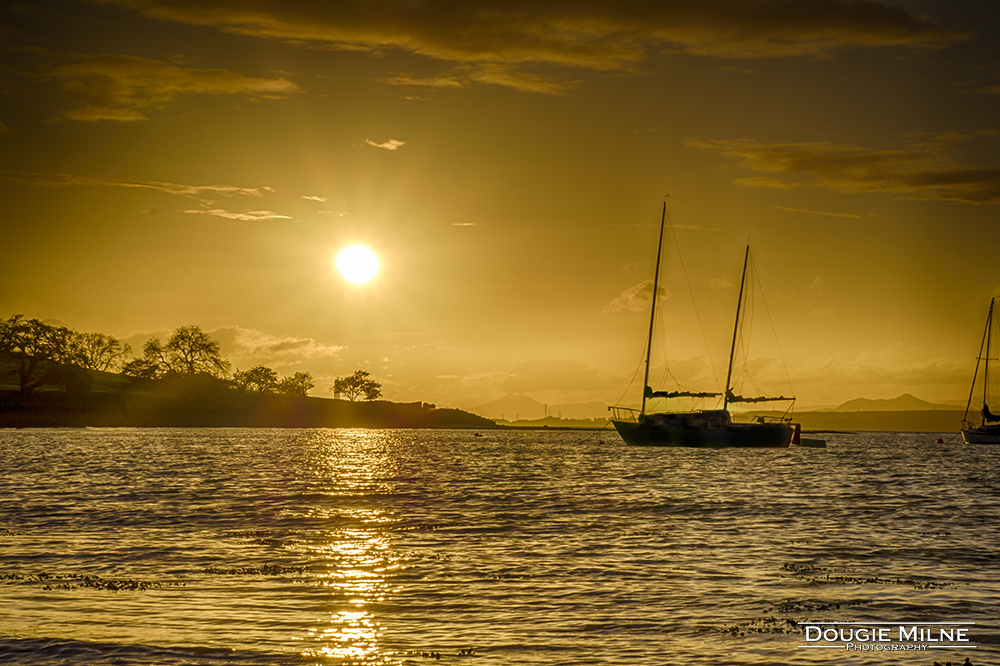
x: 982, y: 435
x: 743, y: 435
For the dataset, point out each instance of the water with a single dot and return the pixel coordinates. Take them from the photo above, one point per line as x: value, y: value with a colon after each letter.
x: 229, y: 546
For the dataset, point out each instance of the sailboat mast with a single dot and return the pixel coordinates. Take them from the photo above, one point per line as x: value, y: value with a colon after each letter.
x: 652, y: 310
x: 736, y: 328
x: 986, y: 368
x: 979, y: 359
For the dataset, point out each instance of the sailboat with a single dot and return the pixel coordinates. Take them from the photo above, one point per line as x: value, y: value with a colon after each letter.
x: 988, y: 431
x: 702, y: 428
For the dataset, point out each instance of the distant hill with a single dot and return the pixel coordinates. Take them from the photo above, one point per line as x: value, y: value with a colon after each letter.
x: 904, y: 403
x: 522, y: 408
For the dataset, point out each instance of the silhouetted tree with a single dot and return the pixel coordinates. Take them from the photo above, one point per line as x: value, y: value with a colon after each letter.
x: 259, y: 379
x: 357, y: 385
x: 97, y: 351
x: 141, y: 368
x: 36, y: 349
x: 189, y: 351
x: 373, y: 391
x: 298, y: 384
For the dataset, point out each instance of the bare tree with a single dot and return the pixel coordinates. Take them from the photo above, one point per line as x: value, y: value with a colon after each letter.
x: 298, y: 384
x: 259, y: 379
x: 97, y: 351
x: 189, y: 351
x: 357, y: 385
x: 36, y: 349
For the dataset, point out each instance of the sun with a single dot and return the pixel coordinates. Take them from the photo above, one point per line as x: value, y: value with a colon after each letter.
x: 357, y: 264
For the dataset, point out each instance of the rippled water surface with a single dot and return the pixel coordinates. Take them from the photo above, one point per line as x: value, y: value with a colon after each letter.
x: 181, y: 546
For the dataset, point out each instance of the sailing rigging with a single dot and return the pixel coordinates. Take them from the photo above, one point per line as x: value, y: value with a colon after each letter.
x: 988, y: 431
x: 700, y: 428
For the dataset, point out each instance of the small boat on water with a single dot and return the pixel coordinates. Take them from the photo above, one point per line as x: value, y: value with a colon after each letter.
x: 701, y: 428
x: 810, y: 442
x: 988, y: 431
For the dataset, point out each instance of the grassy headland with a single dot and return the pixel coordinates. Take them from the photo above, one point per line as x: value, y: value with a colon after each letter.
x: 113, y: 400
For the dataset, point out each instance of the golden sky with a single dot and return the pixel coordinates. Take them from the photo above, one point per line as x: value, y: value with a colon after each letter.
x: 171, y: 162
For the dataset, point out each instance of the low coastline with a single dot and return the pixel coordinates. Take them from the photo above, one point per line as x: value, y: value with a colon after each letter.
x: 228, y: 408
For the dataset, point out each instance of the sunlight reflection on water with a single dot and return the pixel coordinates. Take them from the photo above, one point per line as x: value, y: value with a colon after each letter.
x: 340, y: 547
x: 355, y: 561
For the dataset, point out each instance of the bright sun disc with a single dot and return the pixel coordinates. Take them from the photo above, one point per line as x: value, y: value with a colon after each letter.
x: 357, y: 264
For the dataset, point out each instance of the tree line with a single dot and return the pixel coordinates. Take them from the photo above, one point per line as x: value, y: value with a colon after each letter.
x: 41, y: 354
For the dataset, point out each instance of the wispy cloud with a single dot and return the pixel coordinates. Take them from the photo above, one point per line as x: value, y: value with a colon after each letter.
x: 544, y: 374
x: 126, y: 88
x: 817, y: 212
x: 249, y: 216
x: 247, y: 344
x: 598, y: 35
x: 500, y: 74
x: 887, y: 369
x: 320, y: 199
x: 721, y: 283
x: 67, y: 180
x: 925, y: 171
x: 439, y: 81
x: 391, y: 144
x: 637, y: 298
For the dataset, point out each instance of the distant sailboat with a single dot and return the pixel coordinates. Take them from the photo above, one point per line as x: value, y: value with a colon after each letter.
x: 706, y: 428
x: 988, y: 432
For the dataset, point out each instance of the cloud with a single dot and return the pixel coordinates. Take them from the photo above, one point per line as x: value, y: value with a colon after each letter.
x: 391, y: 144
x: 252, y: 347
x: 885, y: 370
x: 551, y: 375
x: 502, y: 75
x: 816, y: 212
x: 125, y: 88
x: 598, y: 35
x: 925, y: 171
x: 253, y: 215
x: 3, y: 128
x: 763, y: 181
x: 637, y: 298
x: 66, y: 180
x: 721, y: 283
x: 439, y: 81
x: 320, y: 199
x: 492, y: 73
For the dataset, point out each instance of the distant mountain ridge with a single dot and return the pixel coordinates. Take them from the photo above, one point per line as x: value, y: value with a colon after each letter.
x: 904, y: 403
x: 521, y: 407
